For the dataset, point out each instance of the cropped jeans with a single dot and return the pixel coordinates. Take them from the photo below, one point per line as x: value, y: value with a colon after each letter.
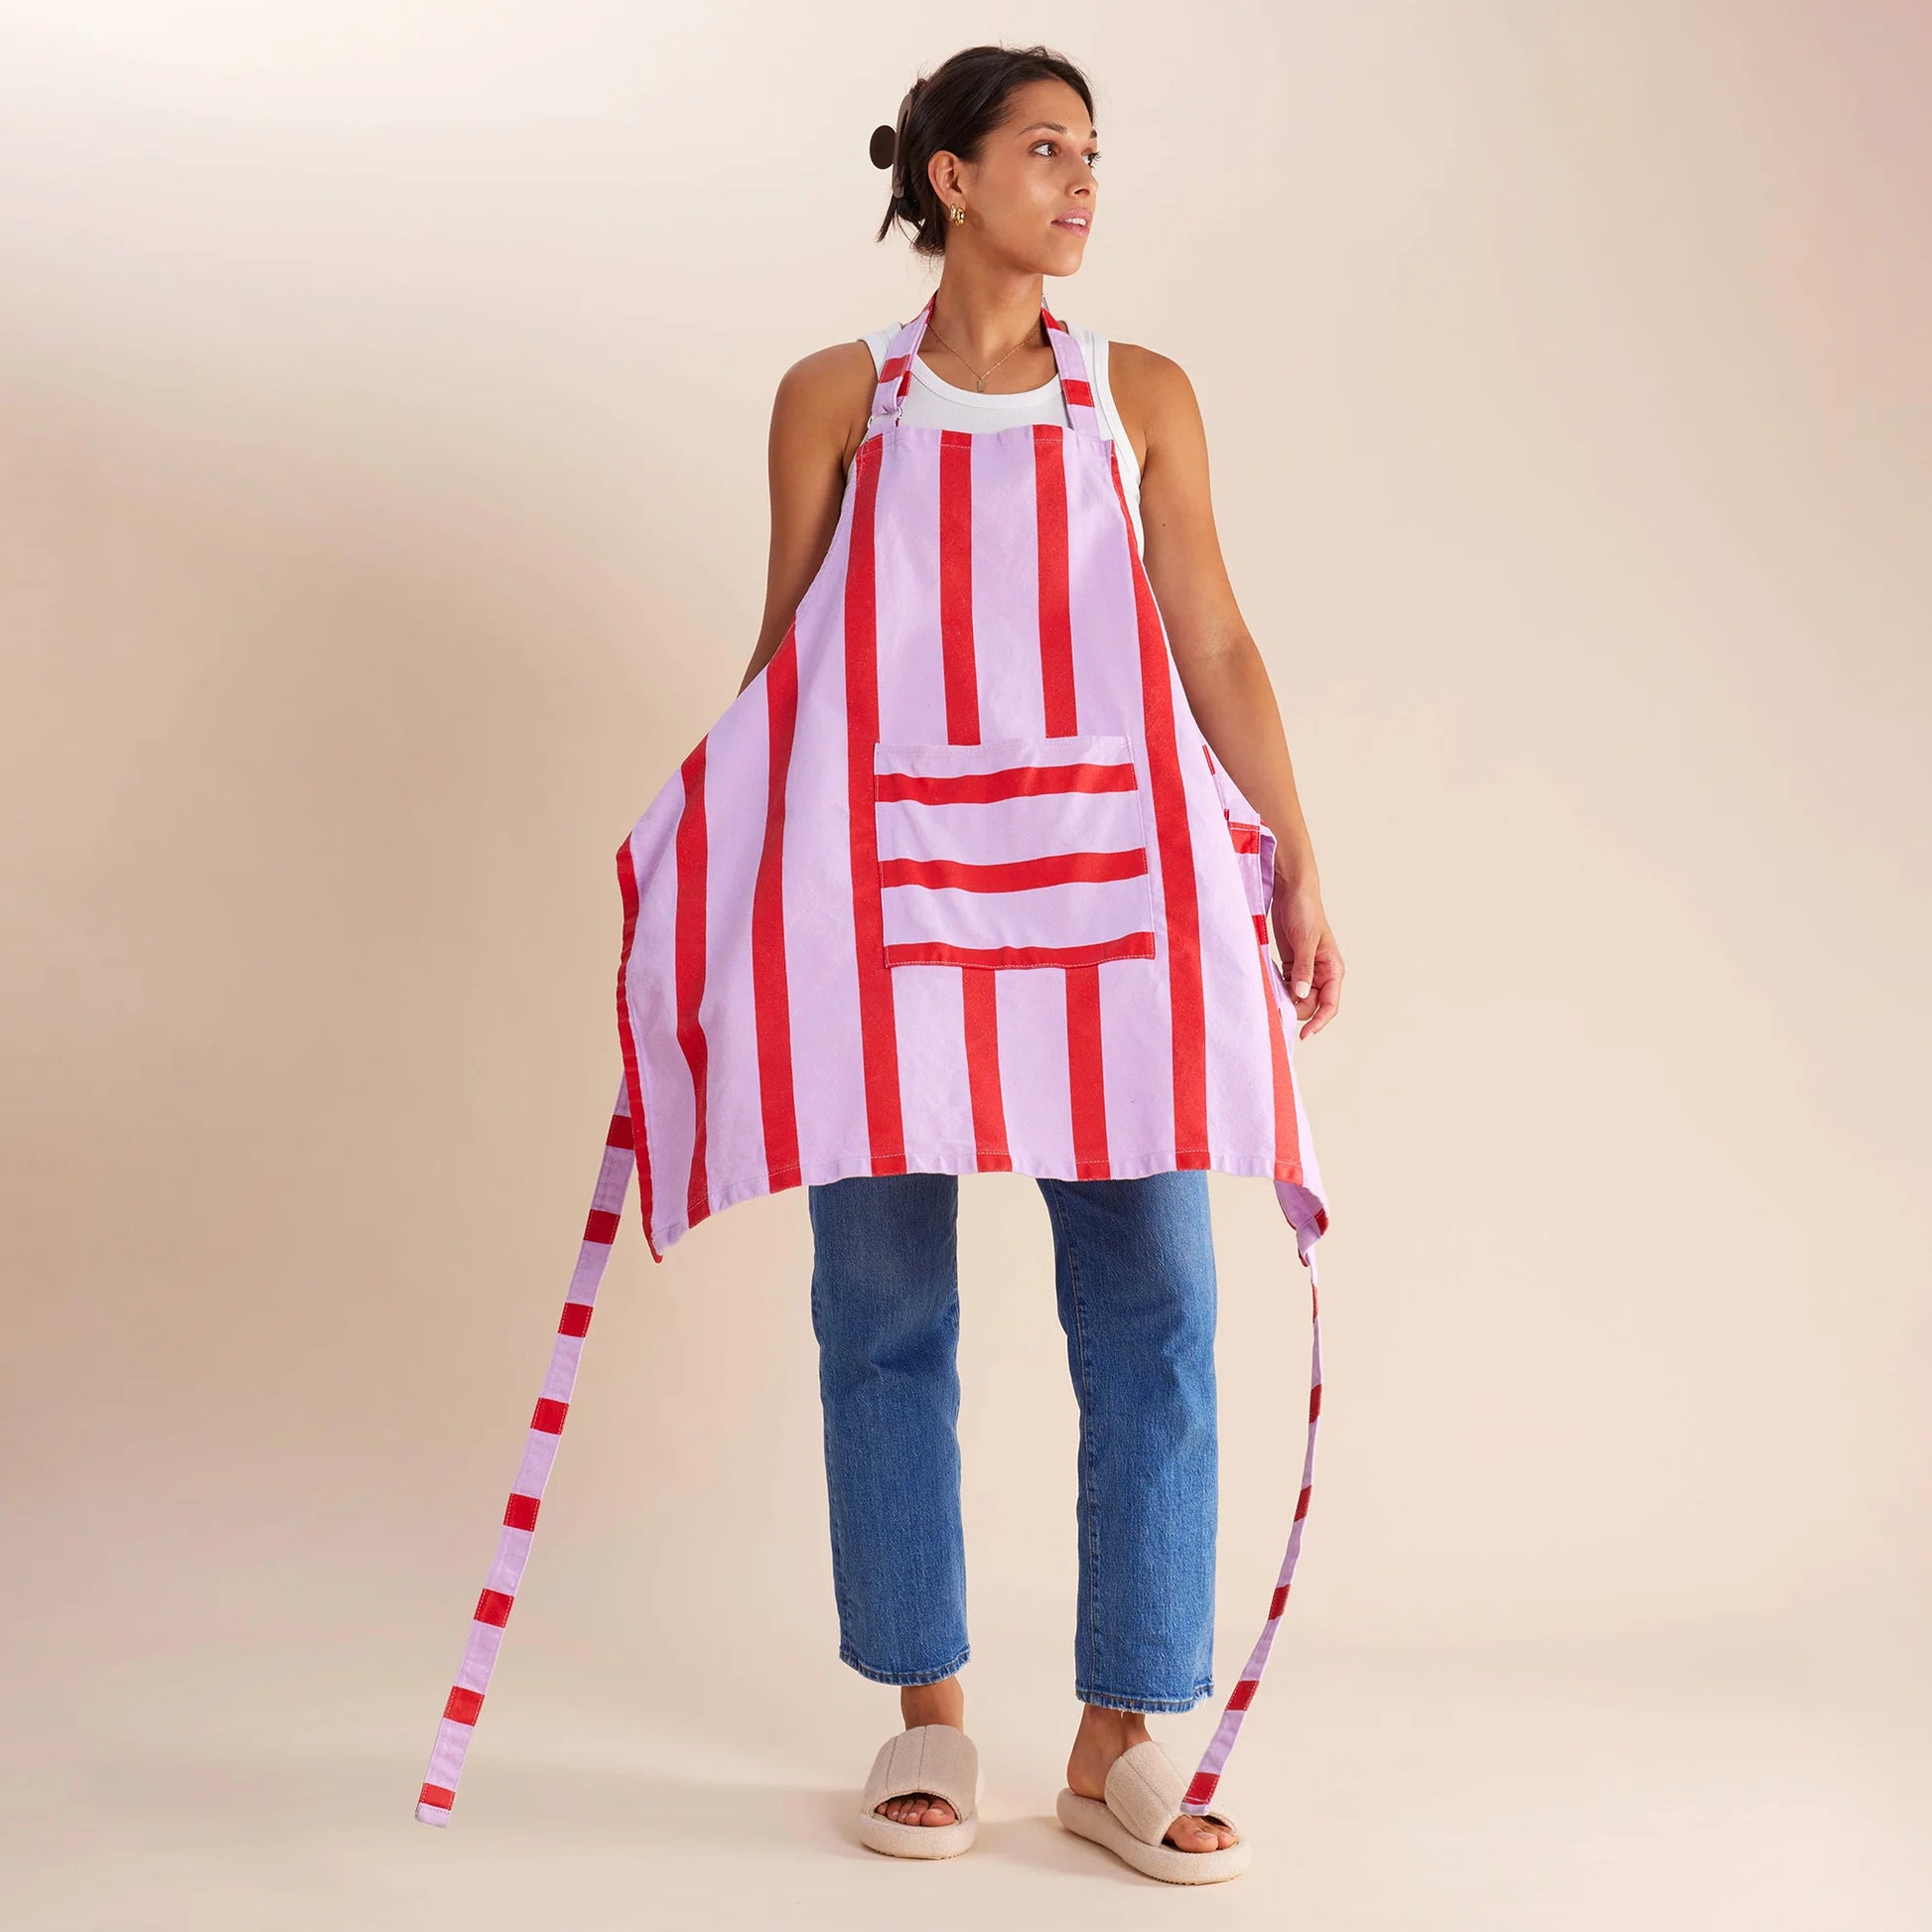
x: 1133, y: 1273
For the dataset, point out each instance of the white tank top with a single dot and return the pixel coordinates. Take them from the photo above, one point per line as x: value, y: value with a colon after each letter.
x: 940, y: 404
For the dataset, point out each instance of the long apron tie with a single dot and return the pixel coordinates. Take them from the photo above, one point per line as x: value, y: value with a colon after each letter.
x: 487, y: 1621
x: 1208, y: 1774
x: 464, y: 1703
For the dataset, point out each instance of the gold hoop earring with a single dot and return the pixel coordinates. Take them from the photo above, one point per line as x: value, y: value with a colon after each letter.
x: 957, y: 212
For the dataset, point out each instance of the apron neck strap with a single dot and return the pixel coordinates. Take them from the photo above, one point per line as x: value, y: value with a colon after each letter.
x: 895, y: 372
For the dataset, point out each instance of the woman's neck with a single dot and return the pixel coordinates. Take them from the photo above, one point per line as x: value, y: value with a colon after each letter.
x: 985, y: 329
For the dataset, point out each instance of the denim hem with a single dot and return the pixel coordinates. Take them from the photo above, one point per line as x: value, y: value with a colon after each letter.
x: 904, y: 1676
x: 1112, y: 1701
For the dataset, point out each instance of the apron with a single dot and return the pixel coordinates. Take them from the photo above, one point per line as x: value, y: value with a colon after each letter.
x: 955, y: 885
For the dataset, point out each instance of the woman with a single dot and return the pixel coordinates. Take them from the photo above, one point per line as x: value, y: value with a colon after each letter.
x: 994, y: 172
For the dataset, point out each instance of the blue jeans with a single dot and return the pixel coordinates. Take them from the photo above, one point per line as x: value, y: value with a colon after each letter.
x: 1134, y: 1269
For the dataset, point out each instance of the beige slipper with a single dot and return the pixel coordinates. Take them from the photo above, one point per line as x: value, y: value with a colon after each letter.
x: 1143, y: 1791
x: 939, y: 1758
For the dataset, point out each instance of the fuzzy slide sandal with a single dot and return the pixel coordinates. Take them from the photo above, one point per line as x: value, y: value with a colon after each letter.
x: 941, y: 1759
x: 1143, y: 1791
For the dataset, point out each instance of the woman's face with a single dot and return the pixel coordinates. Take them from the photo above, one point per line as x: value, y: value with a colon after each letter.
x: 1029, y: 198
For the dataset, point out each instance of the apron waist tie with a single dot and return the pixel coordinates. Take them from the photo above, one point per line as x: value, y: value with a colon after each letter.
x: 464, y: 1704
x: 1208, y: 1774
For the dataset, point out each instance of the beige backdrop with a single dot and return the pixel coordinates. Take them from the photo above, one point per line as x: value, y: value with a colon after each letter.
x: 384, y: 396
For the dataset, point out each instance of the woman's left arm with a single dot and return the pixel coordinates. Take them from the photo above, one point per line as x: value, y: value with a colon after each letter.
x: 1220, y: 668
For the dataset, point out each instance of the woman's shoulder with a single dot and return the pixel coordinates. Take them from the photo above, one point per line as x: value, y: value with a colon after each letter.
x: 1139, y: 367
x: 1150, y: 391
x: 828, y: 380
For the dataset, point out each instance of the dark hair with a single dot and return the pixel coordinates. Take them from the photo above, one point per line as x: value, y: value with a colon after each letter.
x: 954, y: 109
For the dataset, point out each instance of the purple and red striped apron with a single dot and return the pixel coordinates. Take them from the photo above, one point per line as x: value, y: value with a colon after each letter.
x: 955, y: 884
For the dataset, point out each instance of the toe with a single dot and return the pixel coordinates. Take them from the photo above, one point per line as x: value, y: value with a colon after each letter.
x: 1190, y: 1834
x: 918, y: 1807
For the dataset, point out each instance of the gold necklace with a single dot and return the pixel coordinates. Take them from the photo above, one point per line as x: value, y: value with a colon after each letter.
x: 1014, y: 351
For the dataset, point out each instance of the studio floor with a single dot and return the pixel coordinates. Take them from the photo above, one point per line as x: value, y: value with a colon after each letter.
x: 1674, y: 1787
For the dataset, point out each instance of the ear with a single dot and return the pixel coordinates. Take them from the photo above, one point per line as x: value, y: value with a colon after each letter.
x: 943, y: 171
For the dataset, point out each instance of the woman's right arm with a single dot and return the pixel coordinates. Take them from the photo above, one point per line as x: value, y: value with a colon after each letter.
x: 818, y: 420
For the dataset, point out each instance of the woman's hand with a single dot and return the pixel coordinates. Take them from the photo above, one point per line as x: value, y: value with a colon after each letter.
x: 1310, y: 959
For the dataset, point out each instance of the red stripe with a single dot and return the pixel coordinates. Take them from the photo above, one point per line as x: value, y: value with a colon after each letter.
x: 601, y: 1226
x: 1055, y: 615
x: 548, y: 1417
x: 1278, y: 1603
x: 770, y: 988
x: 1008, y: 781
x: 1301, y: 1506
x: 1246, y: 837
x: 957, y: 663
x: 632, y: 1076
x: 1244, y: 1693
x: 1315, y: 1402
x: 520, y: 1513
x: 439, y: 1797
x: 1060, y: 707
x: 688, y: 964
x: 1185, y: 998
x: 1086, y: 1075
x: 1076, y: 390
x: 935, y: 952
x: 1201, y: 1788
x: 1014, y: 874
x: 979, y: 992
x: 493, y: 1606
x: 617, y: 1134
x: 575, y: 1320
x: 878, y: 1024
x: 1288, y: 1164
x: 980, y: 1005
x: 1288, y: 1138
x: 464, y: 1707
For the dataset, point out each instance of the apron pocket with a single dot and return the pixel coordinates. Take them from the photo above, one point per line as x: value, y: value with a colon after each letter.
x: 1015, y: 852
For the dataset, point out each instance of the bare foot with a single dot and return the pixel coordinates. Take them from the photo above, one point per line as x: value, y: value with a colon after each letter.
x: 943, y: 1702
x: 1104, y: 1734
